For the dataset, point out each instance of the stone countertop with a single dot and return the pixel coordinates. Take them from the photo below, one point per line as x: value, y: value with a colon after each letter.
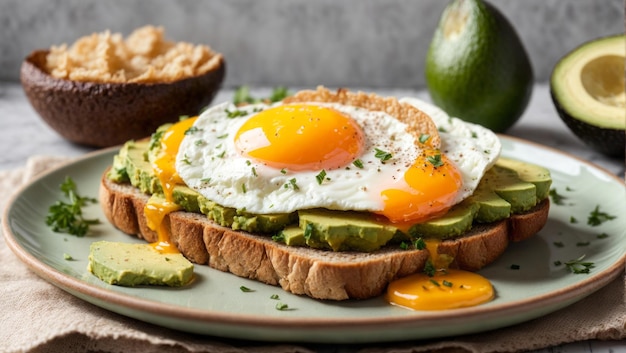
x: 24, y: 134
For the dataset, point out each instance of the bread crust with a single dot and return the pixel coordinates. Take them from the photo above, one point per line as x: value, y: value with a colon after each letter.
x: 316, y: 273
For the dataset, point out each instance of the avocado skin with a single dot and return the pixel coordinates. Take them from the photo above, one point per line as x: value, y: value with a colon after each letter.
x: 609, y: 142
x: 497, y: 90
x: 107, y: 114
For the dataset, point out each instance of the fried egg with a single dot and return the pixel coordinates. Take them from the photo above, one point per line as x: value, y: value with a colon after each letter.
x: 281, y: 158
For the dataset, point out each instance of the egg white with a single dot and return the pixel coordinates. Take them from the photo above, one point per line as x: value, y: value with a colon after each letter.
x: 473, y: 148
x: 209, y: 162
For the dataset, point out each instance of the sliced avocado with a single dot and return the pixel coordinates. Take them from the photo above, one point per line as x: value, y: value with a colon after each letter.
x: 137, y: 264
x: 491, y: 207
x: 344, y: 230
x: 532, y: 173
x: 133, y: 160
x: 454, y: 223
x: 587, y: 88
x: 293, y: 236
x: 507, y: 184
x: 139, y: 170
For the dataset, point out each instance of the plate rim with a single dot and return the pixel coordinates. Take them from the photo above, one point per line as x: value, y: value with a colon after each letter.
x: 573, y: 292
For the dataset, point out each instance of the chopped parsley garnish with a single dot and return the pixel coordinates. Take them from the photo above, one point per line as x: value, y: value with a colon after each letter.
x: 515, y: 267
x: 447, y: 283
x: 382, y: 155
x: 404, y: 246
x: 67, y: 217
x: 573, y: 219
x: 558, y: 263
x: 583, y: 243
x: 221, y: 155
x: 441, y: 129
x: 320, y: 177
x: 596, y: 217
x: 435, y: 160
x: 557, y: 198
x: 424, y: 137
x: 358, y: 163
x: 274, y: 296
x: 429, y: 269
x: 192, y: 130
x: 308, y: 231
x: 243, y: 188
x: 283, y: 171
x: 474, y: 134
x: 199, y: 142
x: 579, y: 266
x: 235, y: 113
x: 435, y: 282
x: 282, y: 306
x: 67, y: 257
x: 419, y: 244
x: 222, y: 136
x: 254, y: 171
x: 292, y: 184
x: 602, y: 236
x: 558, y: 244
x: 246, y: 289
x: 280, y: 237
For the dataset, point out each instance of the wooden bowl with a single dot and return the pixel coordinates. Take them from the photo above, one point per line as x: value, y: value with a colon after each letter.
x: 107, y: 114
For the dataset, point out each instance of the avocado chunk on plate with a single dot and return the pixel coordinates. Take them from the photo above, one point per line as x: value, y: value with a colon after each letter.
x: 128, y: 264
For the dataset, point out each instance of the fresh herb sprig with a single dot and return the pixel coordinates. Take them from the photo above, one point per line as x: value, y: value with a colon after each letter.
x: 579, y: 266
x: 242, y: 96
x: 597, y: 217
x: 67, y: 217
x: 382, y: 155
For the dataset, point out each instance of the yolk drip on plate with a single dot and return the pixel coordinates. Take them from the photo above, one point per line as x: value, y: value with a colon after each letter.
x: 448, y: 289
x: 301, y: 137
x: 164, y: 168
x: 443, y: 290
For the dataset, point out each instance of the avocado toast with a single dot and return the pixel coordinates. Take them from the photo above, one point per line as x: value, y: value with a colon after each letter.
x: 328, y: 254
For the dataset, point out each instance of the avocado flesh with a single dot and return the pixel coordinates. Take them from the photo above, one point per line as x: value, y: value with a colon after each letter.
x: 344, y: 230
x: 509, y: 187
x: 532, y: 173
x: 137, y: 264
x: 587, y: 87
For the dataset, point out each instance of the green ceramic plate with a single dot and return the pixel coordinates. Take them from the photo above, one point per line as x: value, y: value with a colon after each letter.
x: 215, y: 305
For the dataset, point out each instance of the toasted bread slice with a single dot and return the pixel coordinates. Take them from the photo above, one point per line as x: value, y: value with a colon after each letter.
x: 316, y: 273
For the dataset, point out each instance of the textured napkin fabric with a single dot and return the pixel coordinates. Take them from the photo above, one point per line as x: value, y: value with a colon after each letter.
x: 35, y: 316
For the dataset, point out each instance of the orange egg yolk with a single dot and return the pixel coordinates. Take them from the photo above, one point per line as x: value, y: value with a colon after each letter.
x: 301, y: 137
x: 165, y: 170
x: 428, y: 190
x: 448, y: 289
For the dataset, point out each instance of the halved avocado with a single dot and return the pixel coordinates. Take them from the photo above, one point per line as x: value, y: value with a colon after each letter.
x: 587, y: 88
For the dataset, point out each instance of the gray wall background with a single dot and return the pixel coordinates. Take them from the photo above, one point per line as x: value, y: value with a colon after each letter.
x: 350, y: 43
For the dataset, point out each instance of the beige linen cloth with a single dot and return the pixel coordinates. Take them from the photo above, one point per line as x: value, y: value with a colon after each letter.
x: 35, y: 316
